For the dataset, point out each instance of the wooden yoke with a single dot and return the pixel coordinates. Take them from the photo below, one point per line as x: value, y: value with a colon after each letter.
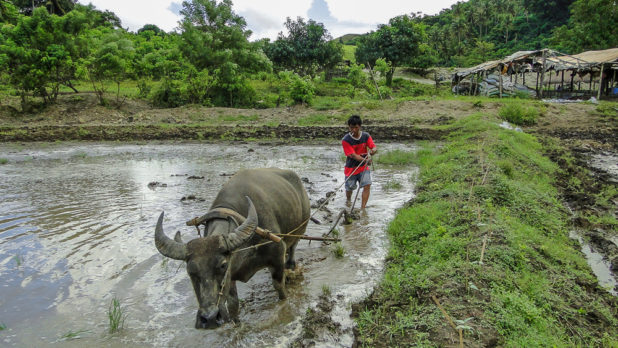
x: 224, y: 213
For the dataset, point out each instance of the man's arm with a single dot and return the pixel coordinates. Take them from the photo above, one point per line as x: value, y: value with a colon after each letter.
x: 372, y: 146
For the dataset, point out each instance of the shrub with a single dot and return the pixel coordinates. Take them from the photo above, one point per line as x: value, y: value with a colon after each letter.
x: 301, y: 90
x: 167, y: 95
x: 518, y: 114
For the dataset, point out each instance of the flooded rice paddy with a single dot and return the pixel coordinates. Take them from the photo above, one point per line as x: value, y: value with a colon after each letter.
x: 77, y: 230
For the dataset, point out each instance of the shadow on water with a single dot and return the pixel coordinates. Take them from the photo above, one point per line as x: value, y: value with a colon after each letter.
x: 77, y: 230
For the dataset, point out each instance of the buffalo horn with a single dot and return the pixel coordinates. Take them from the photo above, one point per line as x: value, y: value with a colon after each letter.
x: 243, y: 232
x: 167, y: 246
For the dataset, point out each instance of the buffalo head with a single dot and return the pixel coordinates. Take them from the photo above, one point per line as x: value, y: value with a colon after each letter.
x: 207, y: 261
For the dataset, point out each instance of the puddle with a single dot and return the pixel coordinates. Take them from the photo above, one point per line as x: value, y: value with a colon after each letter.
x: 600, y: 267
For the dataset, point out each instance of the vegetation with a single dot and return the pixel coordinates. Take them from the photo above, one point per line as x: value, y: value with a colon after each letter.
x: 116, y: 315
x: 399, y: 43
x: 338, y: 250
x: 306, y: 49
x: 71, y: 335
x: 491, y: 244
x: 518, y: 114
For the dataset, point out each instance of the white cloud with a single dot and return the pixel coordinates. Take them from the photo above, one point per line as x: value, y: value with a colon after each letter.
x: 266, y: 17
x: 134, y: 14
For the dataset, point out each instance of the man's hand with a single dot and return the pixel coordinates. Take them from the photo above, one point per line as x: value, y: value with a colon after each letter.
x: 373, y: 151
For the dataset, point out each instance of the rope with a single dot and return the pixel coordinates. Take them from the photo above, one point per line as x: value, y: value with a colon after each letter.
x: 229, y: 264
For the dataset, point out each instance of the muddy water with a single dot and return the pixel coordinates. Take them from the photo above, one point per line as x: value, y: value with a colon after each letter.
x: 76, y: 230
x: 598, y: 259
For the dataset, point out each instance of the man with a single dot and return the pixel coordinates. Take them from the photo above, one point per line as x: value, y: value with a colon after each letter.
x: 355, y: 145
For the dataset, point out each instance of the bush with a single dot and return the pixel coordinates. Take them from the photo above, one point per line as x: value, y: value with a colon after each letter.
x: 519, y: 115
x: 385, y: 91
x: 301, y: 90
x: 168, y: 94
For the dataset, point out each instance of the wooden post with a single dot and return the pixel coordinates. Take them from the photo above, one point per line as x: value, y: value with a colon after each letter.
x: 500, y: 85
x: 543, y: 73
x: 572, y: 76
x: 549, y: 85
x: 374, y: 80
x: 600, y: 82
x: 562, y: 85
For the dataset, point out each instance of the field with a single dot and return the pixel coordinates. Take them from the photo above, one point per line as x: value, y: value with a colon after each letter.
x: 481, y: 255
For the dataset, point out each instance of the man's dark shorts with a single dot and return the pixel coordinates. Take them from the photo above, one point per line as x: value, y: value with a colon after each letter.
x: 363, y: 179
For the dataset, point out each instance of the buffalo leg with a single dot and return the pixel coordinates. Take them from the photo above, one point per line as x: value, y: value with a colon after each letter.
x: 278, y: 271
x: 290, y: 263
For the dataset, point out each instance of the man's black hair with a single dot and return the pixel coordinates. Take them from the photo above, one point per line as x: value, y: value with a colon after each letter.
x: 355, y: 120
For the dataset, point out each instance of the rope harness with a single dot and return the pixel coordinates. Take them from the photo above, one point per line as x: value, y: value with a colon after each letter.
x: 221, y: 213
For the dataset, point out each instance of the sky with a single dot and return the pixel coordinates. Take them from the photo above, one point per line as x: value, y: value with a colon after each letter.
x: 265, y: 18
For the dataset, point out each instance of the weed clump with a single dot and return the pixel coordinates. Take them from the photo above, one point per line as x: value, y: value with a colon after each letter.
x: 116, y: 315
x: 519, y: 115
x: 338, y: 250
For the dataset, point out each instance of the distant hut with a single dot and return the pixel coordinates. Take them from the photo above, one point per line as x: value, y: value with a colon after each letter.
x: 591, y: 73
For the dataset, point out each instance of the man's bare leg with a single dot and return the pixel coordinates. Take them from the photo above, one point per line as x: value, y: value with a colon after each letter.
x: 365, y: 197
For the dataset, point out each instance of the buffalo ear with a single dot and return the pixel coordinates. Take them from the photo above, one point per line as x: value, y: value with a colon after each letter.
x: 178, y: 237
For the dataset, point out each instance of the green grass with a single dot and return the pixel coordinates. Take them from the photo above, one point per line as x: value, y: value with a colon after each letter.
x: 321, y: 120
x: 338, y: 250
x: 240, y: 118
x: 326, y: 290
x: 392, y: 185
x: 518, y: 114
x: 533, y: 288
x: 348, y: 53
x: 397, y: 157
x: 2, y: 326
x: 116, y: 316
x: 4, y: 161
x: 71, y: 335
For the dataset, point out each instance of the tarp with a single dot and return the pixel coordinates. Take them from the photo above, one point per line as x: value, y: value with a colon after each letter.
x: 490, y: 65
x: 583, y: 61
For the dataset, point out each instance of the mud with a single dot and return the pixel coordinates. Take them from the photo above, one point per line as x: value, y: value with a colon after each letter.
x: 212, y: 133
x: 594, y: 169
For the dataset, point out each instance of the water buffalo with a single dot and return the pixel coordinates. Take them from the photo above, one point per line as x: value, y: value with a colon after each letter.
x: 272, y: 199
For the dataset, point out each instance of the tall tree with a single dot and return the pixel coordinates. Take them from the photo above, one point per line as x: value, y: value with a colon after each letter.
x: 307, y: 48
x: 216, y: 39
x: 592, y: 26
x: 40, y: 52
x: 57, y: 7
x: 399, y: 42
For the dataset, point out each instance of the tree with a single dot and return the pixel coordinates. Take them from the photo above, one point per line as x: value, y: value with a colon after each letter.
x: 216, y: 39
x: 592, y: 26
x: 151, y: 28
x: 57, y: 7
x: 109, y: 60
x: 41, y: 52
x: 307, y: 49
x: 399, y: 43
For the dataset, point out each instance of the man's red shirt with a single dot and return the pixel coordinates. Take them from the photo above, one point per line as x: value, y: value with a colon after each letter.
x: 358, y: 146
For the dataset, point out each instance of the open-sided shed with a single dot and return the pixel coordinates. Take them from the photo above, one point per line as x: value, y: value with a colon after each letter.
x: 591, y: 73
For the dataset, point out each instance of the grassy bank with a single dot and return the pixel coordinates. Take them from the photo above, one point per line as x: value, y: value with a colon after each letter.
x: 486, y: 237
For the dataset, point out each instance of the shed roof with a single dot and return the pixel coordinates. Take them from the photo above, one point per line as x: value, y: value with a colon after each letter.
x: 584, y: 60
x: 556, y: 60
